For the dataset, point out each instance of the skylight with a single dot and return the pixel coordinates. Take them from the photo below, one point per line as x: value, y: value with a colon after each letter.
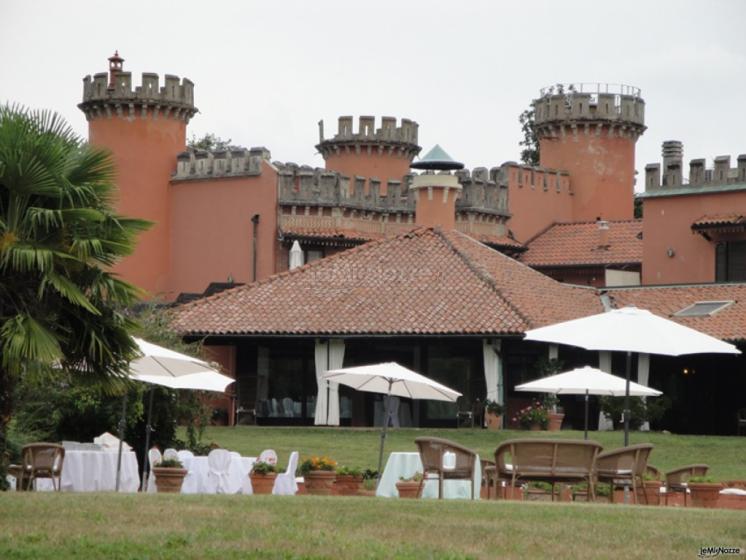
x: 703, y: 308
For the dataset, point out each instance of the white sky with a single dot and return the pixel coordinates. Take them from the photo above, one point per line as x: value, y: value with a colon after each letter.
x: 266, y: 72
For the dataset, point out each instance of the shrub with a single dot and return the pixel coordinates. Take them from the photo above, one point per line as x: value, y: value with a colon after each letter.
x: 349, y: 471
x: 169, y: 464
x: 533, y: 414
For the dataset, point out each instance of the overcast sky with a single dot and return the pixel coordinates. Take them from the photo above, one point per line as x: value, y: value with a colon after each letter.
x: 266, y: 72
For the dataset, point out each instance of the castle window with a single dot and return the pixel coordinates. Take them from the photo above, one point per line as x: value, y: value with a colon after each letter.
x: 730, y: 261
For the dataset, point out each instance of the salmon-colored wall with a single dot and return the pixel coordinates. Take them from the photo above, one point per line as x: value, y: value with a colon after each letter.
x: 381, y: 166
x: 532, y: 208
x: 667, y: 224
x: 435, y: 212
x: 211, y: 230
x: 602, y: 171
x: 144, y: 151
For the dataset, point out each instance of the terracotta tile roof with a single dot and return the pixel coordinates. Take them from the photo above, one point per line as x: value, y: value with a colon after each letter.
x: 728, y: 324
x: 422, y: 282
x: 716, y: 220
x: 498, y: 240
x: 577, y: 243
x: 328, y: 233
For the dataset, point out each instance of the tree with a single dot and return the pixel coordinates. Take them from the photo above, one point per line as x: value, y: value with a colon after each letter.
x: 209, y: 142
x: 530, y: 152
x: 59, y: 303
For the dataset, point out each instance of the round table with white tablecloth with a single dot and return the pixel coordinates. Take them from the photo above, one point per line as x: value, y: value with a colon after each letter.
x: 407, y: 464
x: 96, y: 471
x: 197, y: 480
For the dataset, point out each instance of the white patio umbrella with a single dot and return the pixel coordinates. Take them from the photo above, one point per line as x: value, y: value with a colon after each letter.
x: 296, y: 256
x: 390, y: 378
x: 587, y: 381
x: 631, y: 330
x: 160, y: 366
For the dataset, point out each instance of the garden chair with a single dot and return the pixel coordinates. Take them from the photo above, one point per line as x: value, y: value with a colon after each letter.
x: 677, y: 480
x: 624, y: 467
x: 653, y: 473
x: 268, y: 456
x: 170, y: 453
x: 41, y: 460
x: 185, y: 456
x: 218, y: 462
x: 285, y: 483
x: 432, y: 454
x: 154, y: 457
x: 489, y: 478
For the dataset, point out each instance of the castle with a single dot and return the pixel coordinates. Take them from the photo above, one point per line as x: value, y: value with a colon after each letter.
x: 396, y: 269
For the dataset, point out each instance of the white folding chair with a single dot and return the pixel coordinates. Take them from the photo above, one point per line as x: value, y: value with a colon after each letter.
x: 285, y: 483
x: 170, y: 453
x: 154, y: 457
x: 268, y: 456
x: 218, y: 462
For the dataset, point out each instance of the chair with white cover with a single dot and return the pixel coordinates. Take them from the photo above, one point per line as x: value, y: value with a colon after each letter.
x: 268, y: 456
x: 170, y: 453
x: 219, y: 461
x: 154, y: 457
x: 285, y: 483
x: 185, y: 456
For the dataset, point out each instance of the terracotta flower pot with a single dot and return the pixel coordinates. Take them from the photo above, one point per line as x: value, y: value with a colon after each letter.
x: 535, y: 427
x: 320, y: 482
x: 408, y: 489
x: 263, y: 483
x: 705, y: 494
x: 652, y: 490
x: 555, y: 421
x: 494, y: 421
x: 169, y: 479
x: 348, y: 485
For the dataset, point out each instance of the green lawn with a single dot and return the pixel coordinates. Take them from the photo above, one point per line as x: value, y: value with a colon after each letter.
x: 355, y: 447
x: 60, y: 526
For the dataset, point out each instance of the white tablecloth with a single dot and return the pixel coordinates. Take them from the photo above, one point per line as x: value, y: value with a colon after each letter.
x: 406, y: 464
x: 197, y: 482
x: 96, y: 471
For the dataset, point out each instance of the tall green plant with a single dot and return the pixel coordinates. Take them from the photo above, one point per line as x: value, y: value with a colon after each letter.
x: 58, y: 237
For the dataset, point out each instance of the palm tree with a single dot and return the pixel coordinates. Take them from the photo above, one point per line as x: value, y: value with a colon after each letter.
x: 59, y: 302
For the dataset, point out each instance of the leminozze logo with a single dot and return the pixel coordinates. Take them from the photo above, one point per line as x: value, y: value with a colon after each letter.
x: 712, y: 551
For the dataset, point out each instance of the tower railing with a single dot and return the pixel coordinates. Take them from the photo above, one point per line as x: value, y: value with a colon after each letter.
x: 591, y: 87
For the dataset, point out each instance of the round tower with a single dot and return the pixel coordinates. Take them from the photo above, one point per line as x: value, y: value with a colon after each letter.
x: 145, y: 129
x: 590, y: 130
x: 384, y: 153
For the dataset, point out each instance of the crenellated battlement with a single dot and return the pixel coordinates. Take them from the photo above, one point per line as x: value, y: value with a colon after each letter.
x: 590, y: 108
x: 670, y: 175
x: 539, y: 179
x: 200, y: 165
x: 389, y: 138
x: 306, y: 186
x: 108, y: 96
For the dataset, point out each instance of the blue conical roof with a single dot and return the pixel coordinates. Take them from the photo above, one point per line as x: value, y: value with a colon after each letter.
x: 437, y: 159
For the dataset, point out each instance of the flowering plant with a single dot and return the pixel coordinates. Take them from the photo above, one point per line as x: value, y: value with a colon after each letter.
x: 260, y: 467
x: 318, y: 464
x: 494, y: 407
x: 535, y: 413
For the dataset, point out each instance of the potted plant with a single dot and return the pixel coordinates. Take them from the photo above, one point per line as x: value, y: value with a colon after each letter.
x: 349, y: 481
x: 554, y: 412
x: 652, y: 489
x: 493, y: 414
x: 263, y: 477
x: 169, y: 475
x: 705, y: 491
x: 533, y: 417
x: 319, y: 475
x: 409, y: 487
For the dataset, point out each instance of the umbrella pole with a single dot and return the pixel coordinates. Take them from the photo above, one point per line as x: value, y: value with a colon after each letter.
x: 586, y: 414
x: 122, y: 424
x: 383, y: 431
x: 148, y: 429
x: 628, y: 368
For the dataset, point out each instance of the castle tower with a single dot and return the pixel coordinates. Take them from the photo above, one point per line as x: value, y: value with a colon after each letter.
x: 435, y: 195
x: 383, y: 153
x: 590, y: 130
x: 145, y: 129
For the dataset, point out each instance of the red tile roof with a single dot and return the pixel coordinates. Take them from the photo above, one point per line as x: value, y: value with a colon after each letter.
x: 716, y: 220
x: 578, y: 244
x: 498, y: 240
x: 728, y: 324
x: 422, y: 282
x: 328, y: 233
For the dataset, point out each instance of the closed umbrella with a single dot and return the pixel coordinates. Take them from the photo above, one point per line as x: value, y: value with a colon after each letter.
x: 391, y: 379
x: 587, y: 381
x: 631, y: 330
x: 296, y: 256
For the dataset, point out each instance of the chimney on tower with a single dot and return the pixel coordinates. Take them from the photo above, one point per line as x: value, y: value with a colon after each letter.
x: 435, y: 195
x: 116, y: 63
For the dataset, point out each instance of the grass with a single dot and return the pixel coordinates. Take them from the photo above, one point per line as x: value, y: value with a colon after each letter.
x: 60, y: 526
x: 358, y: 447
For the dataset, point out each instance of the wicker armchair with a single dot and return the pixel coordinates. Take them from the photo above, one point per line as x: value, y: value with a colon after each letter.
x: 625, y: 466
x: 653, y: 473
x: 41, y: 460
x: 432, y: 451
x: 677, y: 479
x: 548, y: 460
x: 489, y: 478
